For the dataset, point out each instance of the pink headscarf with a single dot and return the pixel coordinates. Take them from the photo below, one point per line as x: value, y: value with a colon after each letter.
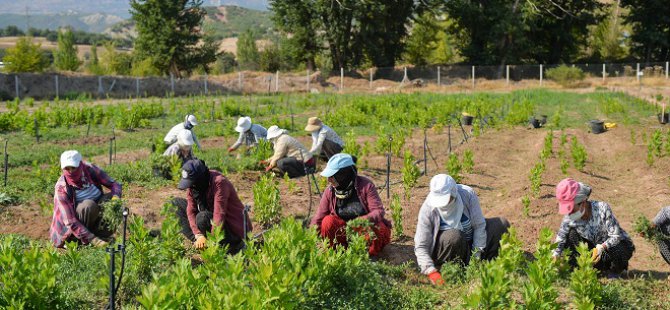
x: 77, y: 177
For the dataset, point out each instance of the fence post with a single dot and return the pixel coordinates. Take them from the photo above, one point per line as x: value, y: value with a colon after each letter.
x: 172, y: 83
x: 239, y: 80
x: 604, y: 73
x: 6, y: 161
x: 277, y: 82
x: 438, y: 75
x: 341, y: 79
x: 308, y: 80
x: 507, y: 74
x: 57, y: 88
x: 100, y: 90
x: 637, y: 73
x: 666, y: 69
x: 137, y: 87
x: 370, y: 78
x: 16, y: 86
x: 541, y: 74
x: 473, y: 77
x: 206, y: 90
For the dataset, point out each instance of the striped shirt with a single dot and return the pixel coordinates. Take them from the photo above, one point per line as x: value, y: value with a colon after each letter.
x: 663, y: 217
x: 601, y: 228
x: 89, y: 191
x: 466, y: 227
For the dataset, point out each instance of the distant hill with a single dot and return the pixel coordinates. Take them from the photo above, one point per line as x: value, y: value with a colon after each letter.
x: 89, y: 22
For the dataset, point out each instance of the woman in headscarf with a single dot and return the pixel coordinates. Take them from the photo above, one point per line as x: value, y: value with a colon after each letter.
x: 183, y: 148
x: 662, y: 223
x: 189, y: 122
x: 78, y: 194
x: 452, y: 226
x: 350, y: 196
x: 290, y: 156
x: 593, y: 223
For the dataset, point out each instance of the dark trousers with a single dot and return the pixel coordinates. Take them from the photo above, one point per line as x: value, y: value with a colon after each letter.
x: 614, y: 259
x: 329, y: 148
x: 452, y: 246
x: 293, y: 167
x: 89, y: 213
x: 204, y: 222
x: 664, y: 245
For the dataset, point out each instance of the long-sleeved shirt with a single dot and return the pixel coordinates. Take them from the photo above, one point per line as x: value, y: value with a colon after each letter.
x: 171, y: 136
x: 65, y: 222
x: 323, y: 134
x: 251, y: 136
x: 368, y: 195
x: 663, y: 217
x: 428, y: 227
x: 174, y: 150
x: 601, y: 228
x: 287, y: 146
x: 223, y: 202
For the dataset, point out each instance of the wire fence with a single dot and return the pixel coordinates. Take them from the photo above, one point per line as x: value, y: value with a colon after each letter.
x: 59, y: 85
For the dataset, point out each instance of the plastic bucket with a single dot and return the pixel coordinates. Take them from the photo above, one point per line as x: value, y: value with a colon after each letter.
x: 467, y: 120
x: 597, y: 126
x: 543, y: 120
x: 663, y: 118
x: 536, y: 122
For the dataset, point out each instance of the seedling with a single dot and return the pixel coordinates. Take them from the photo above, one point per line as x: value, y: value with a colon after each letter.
x: 645, y: 228
x: 267, y: 206
x: 578, y: 154
x: 410, y: 173
x: 454, y: 167
x: 468, y: 162
x: 536, y: 178
x: 396, y: 214
x: 586, y: 290
x: 525, y: 200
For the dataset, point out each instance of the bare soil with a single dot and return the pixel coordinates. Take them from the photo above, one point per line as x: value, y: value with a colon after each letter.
x: 616, y: 169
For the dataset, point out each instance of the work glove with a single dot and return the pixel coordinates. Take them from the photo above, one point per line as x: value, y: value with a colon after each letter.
x: 435, y: 278
x: 99, y: 243
x: 200, y: 242
x: 230, y: 150
x: 268, y: 168
x: 597, y: 253
x: 115, y: 197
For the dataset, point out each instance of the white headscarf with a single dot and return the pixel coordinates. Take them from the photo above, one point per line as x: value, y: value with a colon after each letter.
x: 452, y: 212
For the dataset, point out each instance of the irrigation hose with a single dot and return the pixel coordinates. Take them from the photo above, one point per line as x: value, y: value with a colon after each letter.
x: 121, y: 248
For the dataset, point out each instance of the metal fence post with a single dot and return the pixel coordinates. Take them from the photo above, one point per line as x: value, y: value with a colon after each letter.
x: 137, y: 87
x: 57, y: 88
x: 666, y: 69
x: 604, y: 73
x: 507, y: 74
x: 370, y: 78
x: 172, y: 83
x: 100, y: 90
x: 473, y: 77
x: 239, y: 80
x: 277, y: 82
x: 541, y: 74
x: 341, y: 79
x: 637, y: 73
x: 308, y: 80
x: 206, y: 90
x: 438, y: 75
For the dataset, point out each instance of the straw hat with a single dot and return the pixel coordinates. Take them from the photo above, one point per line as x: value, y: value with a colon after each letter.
x: 313, y: 124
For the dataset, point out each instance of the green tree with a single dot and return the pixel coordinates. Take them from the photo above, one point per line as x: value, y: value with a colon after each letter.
x: 422, y: 42
x: 270, y: 58
x: 114, y: 62
x: 247, y: 51
x: 298, y: 18
x: 169, y: 35
x: 609, y: 43
x: 25, y: 56
x: 651, y: 28
x: 65, y: 56
x: 93, y: 65
x: 225, y: 63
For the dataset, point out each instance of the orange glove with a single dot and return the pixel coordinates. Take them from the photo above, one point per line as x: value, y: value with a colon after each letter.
x: 597, y: 253
x: 435, y: 278
x: 200, y: 242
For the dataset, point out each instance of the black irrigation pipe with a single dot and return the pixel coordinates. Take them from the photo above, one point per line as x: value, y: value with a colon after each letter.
x: 388, y: 170
x: 449, y: 132
x: 309, y: 188
x: 37, y: 130
x: 425, y: 148
x: 121, y: 248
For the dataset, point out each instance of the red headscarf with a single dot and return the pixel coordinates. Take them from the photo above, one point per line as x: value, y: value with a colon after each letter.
x: 77, y: 177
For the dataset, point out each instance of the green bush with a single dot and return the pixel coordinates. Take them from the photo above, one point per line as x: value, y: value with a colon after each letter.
x: 396, y: 214
x: 539, y: 292
x: 267, y: 207
x: 584, y: 284
x: 410, y: 173
x: 454, y: 167
x: 566, y: 76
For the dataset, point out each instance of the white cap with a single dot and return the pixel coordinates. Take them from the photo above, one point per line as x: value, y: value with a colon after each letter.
x: 185, y: 138
x: 70, y: 158
x: 243, y: 124
x: 441, y: 188
x: 191, y: 119
x: 274, y: 131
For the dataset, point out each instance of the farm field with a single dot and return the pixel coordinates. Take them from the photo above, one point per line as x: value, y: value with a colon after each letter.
x: 626, y: 166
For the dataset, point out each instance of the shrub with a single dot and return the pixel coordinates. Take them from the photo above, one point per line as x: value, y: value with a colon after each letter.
x: 351, y: 147
x: 536, y: 178
x: 410, y: 173
x: 586, y: 290
x: 454, y: 167
x: 539, y: 292
x: 525, y: 200
x: 644, y: 227
x: 468, y: 162
x: 578, y: 154
x: 396, y: 214
x: 547, y: 149
x: 112, y: 214
x: 267, y: 206
x: 566, y: 76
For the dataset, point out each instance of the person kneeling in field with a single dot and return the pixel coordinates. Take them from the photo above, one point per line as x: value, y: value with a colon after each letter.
x: 348, y: 197
x: 189, y: 122
x: 183, y: 148
x: 210, y: 200
x: 452, y: 227
x: 662, y: 223
x: 290, y: 156
x: 78, y: 195
x: 325, y: 141
x: 593, y: 223
x: 250, y: 134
